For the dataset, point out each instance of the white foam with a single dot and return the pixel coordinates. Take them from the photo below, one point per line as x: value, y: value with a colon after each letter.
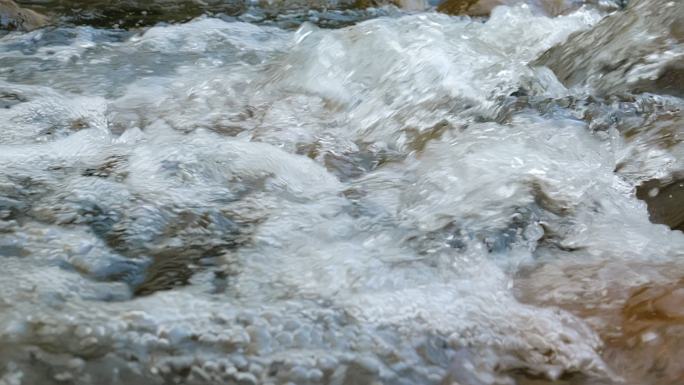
x: 232, y: 120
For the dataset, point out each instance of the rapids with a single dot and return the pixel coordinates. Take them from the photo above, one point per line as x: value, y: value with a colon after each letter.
x: 406, y: 198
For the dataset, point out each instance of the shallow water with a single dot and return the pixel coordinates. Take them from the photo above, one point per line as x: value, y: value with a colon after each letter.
x: 217, y: 201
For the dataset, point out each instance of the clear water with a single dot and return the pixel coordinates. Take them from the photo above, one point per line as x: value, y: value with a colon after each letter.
x: 225, y: 202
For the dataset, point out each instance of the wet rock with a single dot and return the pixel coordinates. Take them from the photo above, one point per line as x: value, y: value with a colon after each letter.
x: 14, y: 17
x: 132, y: 13
x: 654, y: 148
x: 485, y: 7
x: 464, y: 7
x: 609, y: 59
x: 412, y: 5
x: 648, y: 304
x: 280, y: 6
x: 285, y: 13
x: 665, y: 201
x: 361, y: 371
x: 635, y: 307
x: 651, y: 346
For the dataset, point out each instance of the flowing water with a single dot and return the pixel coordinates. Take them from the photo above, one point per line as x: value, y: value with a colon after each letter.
x: 398, y: 200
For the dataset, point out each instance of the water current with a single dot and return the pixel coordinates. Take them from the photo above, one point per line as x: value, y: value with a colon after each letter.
x: 373, y: 196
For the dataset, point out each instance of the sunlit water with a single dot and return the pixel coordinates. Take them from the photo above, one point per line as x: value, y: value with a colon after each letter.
x: 224, y: 202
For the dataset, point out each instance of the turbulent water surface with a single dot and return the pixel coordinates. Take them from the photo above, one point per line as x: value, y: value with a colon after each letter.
x: 408, y: 199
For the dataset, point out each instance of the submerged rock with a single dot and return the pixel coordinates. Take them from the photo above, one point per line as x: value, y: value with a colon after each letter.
x: 14, y: 17
x: 635, y: 307
x: 651, y: 345
x: 638, y: 50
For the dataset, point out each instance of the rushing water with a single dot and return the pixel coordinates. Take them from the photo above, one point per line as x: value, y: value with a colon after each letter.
x: 223, y: 202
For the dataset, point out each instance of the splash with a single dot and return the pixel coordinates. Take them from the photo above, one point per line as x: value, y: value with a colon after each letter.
x: 220, y: 201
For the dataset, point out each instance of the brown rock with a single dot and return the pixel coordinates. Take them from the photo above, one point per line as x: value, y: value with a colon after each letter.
x: 412, y: 5
x: 665, y: 201
x: 559, y: 7
x: 131, y: 13
x: 671, y: 79
x: 479, y: 8
x: 611, y: 60
x: 653, y: 304
x: 142, y: 13
x: 641, y: 324
x: 14, y: 17
x: 651, y: 348
x: 468, y: 7
x: 662, y: 132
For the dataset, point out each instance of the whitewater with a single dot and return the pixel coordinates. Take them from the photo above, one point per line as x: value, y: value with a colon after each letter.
x: 408, y: 199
